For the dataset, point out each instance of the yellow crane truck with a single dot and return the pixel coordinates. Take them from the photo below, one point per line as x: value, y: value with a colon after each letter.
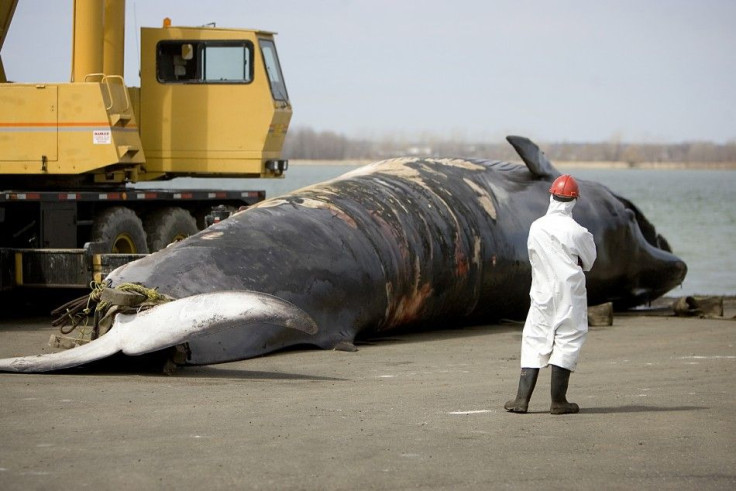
x: 211, y: 103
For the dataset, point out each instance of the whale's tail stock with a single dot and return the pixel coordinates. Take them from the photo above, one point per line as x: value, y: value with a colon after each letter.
x: 171, y: 324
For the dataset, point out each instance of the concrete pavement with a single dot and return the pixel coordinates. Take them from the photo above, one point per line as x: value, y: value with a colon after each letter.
x: 406, y: 411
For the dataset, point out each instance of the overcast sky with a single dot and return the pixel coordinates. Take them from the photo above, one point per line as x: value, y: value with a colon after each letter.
x: 554, y: 70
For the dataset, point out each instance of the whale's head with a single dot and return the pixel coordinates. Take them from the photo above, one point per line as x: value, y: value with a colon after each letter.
x: 633, y: 259
x: 635, y: 264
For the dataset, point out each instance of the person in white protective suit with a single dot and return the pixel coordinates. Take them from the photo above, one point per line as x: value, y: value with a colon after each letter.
x: 560, y: 250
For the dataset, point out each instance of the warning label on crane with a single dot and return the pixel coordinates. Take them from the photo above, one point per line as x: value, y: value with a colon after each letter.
x: 101, y: 137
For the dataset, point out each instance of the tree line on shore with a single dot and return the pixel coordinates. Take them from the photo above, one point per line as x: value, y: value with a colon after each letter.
x: 306, y: 143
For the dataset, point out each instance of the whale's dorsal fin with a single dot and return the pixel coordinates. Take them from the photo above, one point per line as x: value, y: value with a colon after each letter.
x: 534, y: 158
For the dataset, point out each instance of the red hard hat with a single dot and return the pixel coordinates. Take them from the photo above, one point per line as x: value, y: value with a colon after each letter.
x: 565, y: 187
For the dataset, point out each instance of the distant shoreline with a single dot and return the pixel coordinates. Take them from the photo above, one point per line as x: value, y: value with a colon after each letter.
x: 564, y: 165
x: 649, y: 165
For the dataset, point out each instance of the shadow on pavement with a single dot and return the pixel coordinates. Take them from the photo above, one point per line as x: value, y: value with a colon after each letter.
x: 211, y: 372
x: 638, y: 409
x: 630, y: 409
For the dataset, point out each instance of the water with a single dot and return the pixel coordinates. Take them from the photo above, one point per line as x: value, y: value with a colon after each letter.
x: 695, y: 210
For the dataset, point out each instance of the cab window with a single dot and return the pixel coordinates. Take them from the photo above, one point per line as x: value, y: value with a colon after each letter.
x: 208, y: 62
x: 273, y: 69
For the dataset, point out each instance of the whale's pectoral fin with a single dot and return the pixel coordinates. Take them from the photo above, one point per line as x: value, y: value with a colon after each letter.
x: 176, y: 322
x: 534, y: 158
x: 107, y: 345
x: 171, y: 324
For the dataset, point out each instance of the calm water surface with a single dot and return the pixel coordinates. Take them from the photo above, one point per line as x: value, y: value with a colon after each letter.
x: 695, y: 210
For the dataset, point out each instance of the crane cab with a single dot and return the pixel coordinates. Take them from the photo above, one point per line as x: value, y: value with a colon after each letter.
x: 212, y: 102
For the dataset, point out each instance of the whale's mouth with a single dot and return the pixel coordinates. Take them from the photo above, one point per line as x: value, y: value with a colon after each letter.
x: 648, y: 231
x: 659, y: 270
x: 657, y: 281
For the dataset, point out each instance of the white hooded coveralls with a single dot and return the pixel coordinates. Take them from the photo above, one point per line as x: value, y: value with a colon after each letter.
x: 557, y: 322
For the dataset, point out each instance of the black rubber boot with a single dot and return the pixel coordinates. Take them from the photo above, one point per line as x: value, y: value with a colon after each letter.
x: 527, y: 381
x: 560, y: 380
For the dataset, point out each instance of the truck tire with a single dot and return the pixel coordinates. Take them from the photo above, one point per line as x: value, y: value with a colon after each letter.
x: 168, y: 225
x: 121, y: 229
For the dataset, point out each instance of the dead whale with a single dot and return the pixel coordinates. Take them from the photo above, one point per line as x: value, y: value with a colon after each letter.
x: 407, y: 242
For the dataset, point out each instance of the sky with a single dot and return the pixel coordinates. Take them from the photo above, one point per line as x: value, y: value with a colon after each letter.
x: 650, y: 71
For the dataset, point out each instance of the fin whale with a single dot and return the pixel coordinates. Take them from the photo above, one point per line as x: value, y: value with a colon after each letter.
x: 407, y: 242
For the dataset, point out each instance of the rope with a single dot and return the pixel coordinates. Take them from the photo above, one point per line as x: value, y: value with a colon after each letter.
x: 76, y: 311
x: 79, y: 311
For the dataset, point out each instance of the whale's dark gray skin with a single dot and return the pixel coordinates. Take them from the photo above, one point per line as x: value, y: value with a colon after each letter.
x: 405, y: 242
